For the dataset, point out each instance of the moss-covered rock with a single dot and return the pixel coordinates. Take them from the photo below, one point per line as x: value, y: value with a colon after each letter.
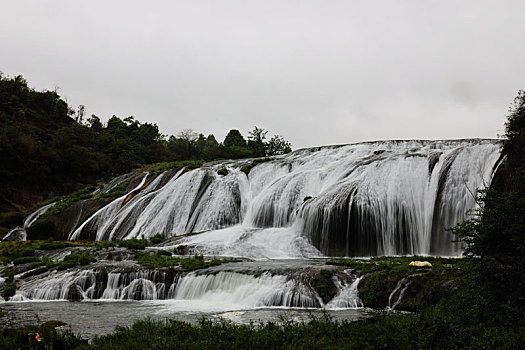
x: 222, y: 171
x: 375, y: 288
x: 324, y: 285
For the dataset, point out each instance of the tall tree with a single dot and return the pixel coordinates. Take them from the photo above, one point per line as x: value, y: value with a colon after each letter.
x: 234, y: 138
x: 256, y: 142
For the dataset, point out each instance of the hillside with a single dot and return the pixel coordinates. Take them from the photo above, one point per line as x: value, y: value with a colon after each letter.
x: 48, y: 150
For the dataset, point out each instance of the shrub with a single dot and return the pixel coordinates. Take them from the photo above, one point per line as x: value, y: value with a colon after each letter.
x: 51, y: 245
x: 134, y: 243
x: 193, y: 263
x: 72, y: 260
x: 222, y: 172
x: 25, y: 260
x: 157, y: 238
x: 180, y: 249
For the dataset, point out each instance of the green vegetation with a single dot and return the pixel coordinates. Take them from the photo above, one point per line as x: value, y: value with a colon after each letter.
x: 10, y: 286
x: 51, y: 339
x: 248, y: 167
x: 116, y: 191
x: 157, y: 238
x: 495, y: 236
x: 180, y: 249
x: 75, y: 259
x: 162, y: 258
x: 397, y: 266
x: 52, y: 245
x: 160, y: 167
x: 222, y: 172
x: 323, y: 283
x: 381, y: 331
x: 65, y: 201
x: 134, y: 243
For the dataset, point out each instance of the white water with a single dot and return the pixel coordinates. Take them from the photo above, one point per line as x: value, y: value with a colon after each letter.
x: 105, y: 217
x: 215, y: 289
x: 236, y: 290
x: 396, y: 296
x: 379, y: 198
x: 30, y: 220
x: 348, y: 296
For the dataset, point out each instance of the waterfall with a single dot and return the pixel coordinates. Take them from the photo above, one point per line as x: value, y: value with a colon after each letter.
x: 348, y: 296
x: 374, y: 198
x: 218, y: 288
x: 101, y: 221
x: 397, y: 294
x: 93, y: 284
x: 140, y: 285
x: 19, y: 233
x: 243, y: 290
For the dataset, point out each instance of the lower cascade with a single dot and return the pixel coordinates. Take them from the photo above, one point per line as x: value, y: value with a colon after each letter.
x: 366, y: 199
x: 231, y: 289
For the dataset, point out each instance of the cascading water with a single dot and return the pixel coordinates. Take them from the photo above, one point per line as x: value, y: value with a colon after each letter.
x: 348, y: 296
x: 243, y: 290
x: 376, y: 198
x: 220, y: 287
x: 95, y: 284
x: 19, y: 233
x: 396, y: 296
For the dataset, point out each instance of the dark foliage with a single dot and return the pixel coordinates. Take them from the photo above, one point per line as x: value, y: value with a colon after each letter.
x: 495, y: 235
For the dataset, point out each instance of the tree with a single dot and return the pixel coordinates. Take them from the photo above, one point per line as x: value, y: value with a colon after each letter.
x: 80, y: 114
x: 495, y: 234
x: 278, y: 145
x: 234, y: 138
x: 497, y: 229
x: 94, y: 123
x: 256, y: 142
x: 188, y: 134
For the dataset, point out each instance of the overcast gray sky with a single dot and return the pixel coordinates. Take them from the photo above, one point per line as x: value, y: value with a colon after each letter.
x: 316, y: 72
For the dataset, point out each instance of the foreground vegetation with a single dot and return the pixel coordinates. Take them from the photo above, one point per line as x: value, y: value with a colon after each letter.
x: 430, y: 330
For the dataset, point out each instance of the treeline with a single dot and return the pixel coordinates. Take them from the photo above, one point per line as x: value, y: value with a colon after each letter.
x: 49, y: 149
x: 495, y: 236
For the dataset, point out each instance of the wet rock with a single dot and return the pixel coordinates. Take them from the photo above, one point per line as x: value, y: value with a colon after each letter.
x: 74, y: 294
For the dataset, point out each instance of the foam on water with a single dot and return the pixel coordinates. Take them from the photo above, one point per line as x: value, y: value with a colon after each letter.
x: 376, y: 198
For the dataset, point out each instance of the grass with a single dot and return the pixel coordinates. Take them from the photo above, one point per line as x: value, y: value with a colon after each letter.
x: 134, y: 243
x: 161, y: 167
x: 64, y: 202
x: 162, y: 259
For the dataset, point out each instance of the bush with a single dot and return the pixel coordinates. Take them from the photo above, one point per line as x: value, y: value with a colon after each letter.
x: 156, y: 260
x: 51, y: 245
x: 180, y: 249
x: 72, y: 260
x: 193, y: 263
x: 157, y: 238
x: 25, y: 260
x: 9, y: 290
x: 134, y: 243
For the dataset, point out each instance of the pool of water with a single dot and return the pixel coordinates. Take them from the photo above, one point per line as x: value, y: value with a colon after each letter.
x: 98, y: 318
